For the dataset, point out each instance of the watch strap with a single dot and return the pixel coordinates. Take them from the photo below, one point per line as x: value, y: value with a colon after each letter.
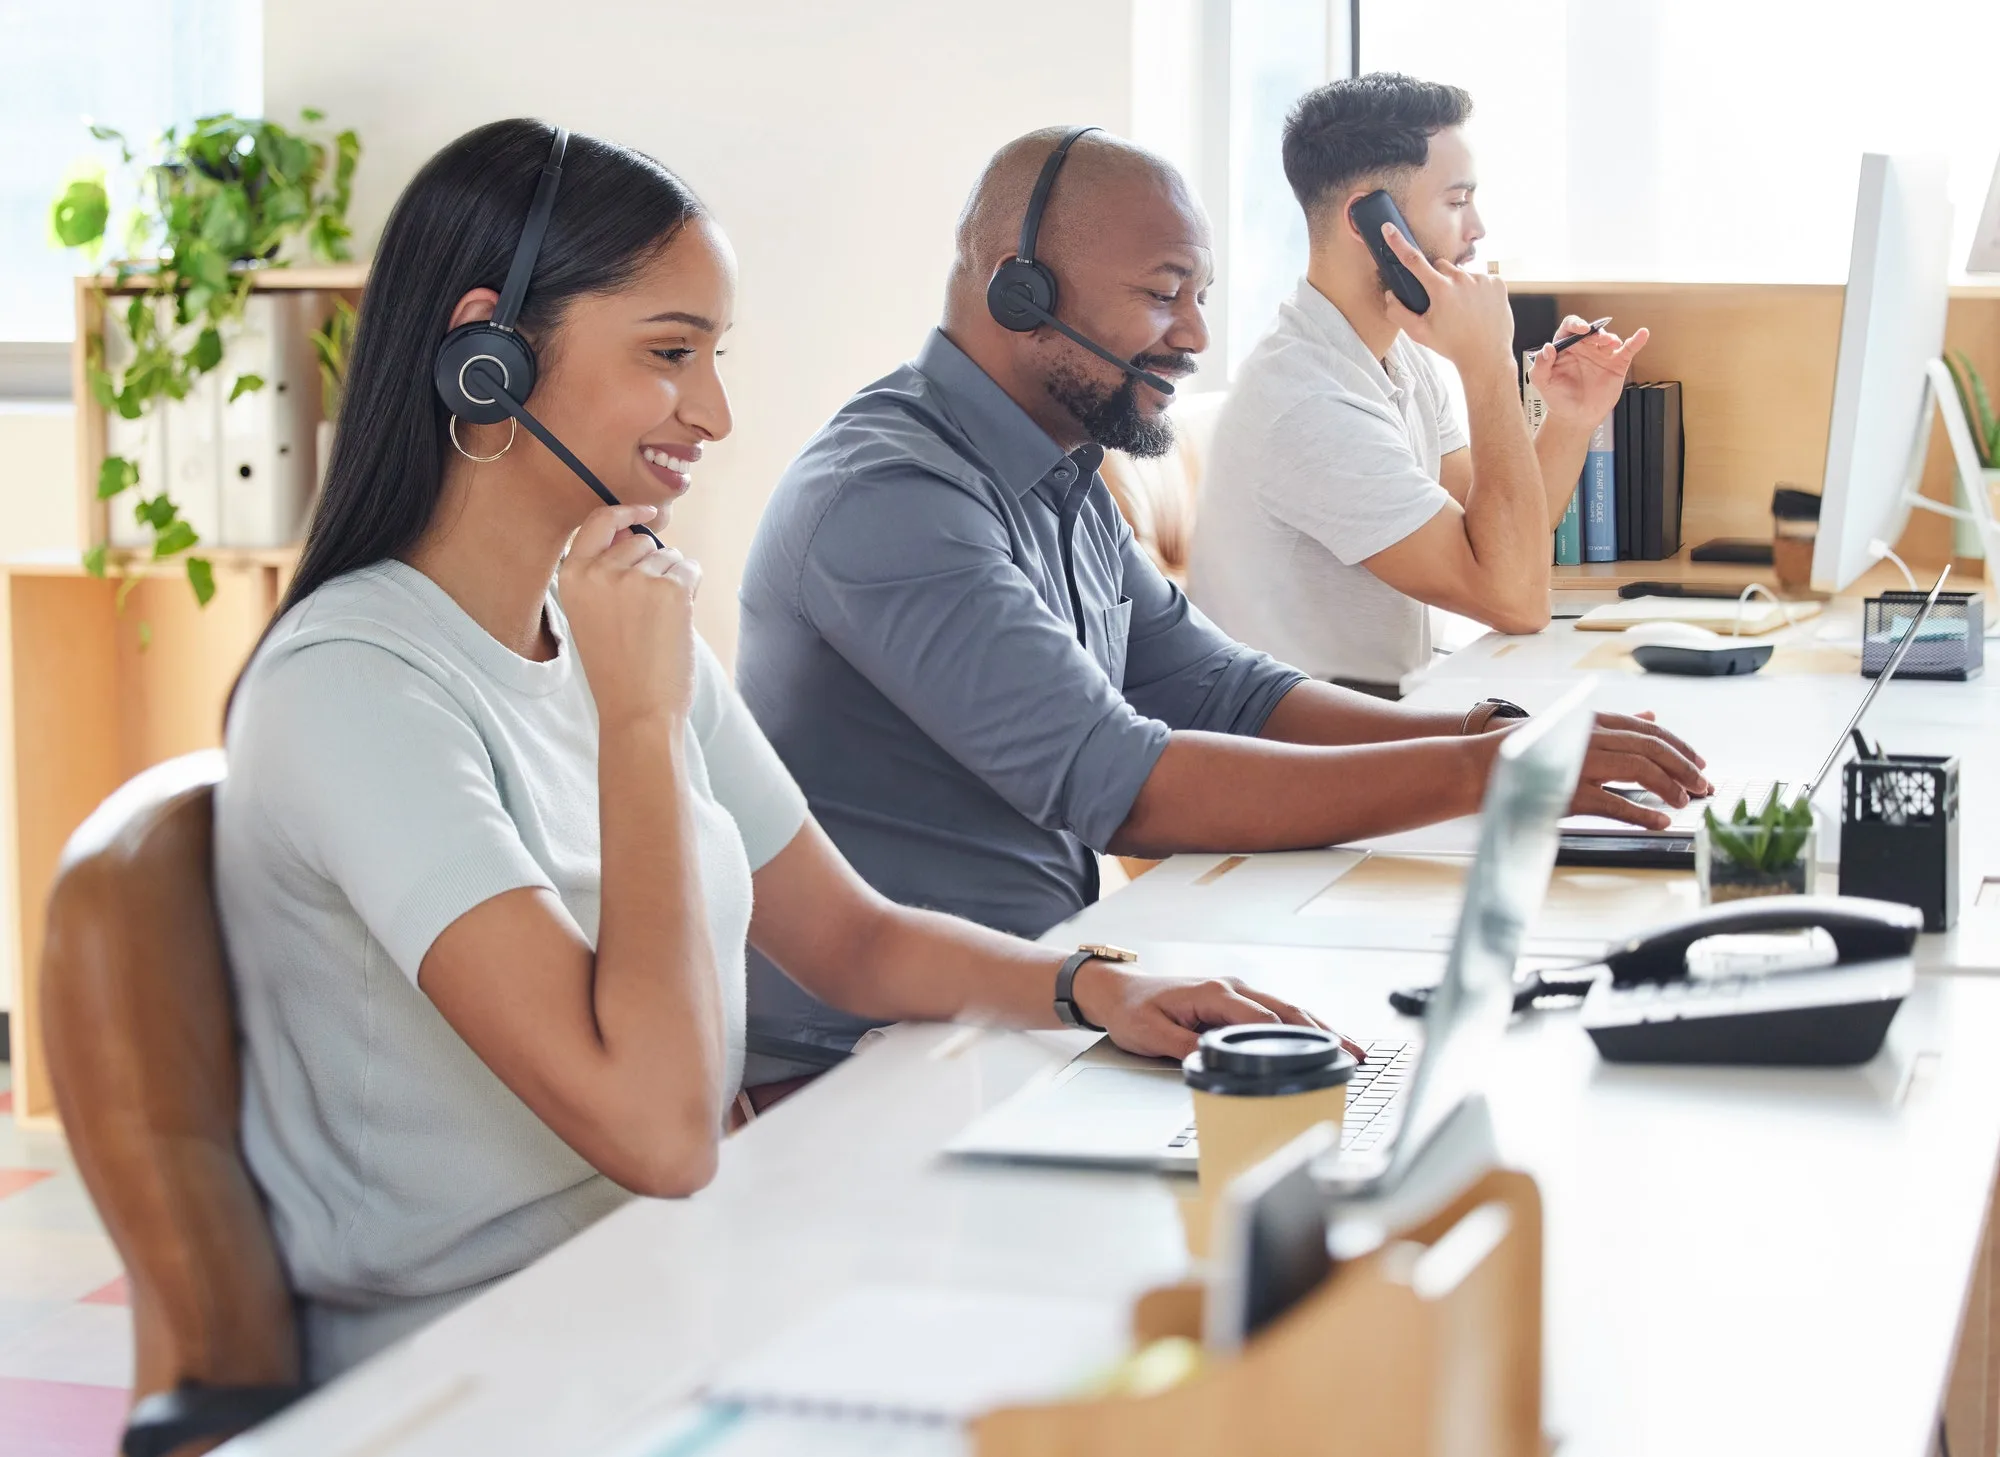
x: 1067, y: 1011
x: 1480, y: 716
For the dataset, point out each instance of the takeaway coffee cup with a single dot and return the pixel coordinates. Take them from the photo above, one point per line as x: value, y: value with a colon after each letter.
x: 1258, y: 1087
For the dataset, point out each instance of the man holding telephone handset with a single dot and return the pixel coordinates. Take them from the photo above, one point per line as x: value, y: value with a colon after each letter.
x: 1343, y: 497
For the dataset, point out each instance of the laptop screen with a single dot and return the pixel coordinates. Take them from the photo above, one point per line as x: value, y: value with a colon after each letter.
x: 1533, y: 782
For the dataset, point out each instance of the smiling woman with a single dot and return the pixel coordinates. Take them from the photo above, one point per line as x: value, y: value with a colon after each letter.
x: 487, y: 852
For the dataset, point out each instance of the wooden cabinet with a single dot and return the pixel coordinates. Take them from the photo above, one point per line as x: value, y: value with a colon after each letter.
x: 97, y: 689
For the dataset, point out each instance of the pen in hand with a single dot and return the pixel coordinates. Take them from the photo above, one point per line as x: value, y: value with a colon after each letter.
x: 1596, y: 327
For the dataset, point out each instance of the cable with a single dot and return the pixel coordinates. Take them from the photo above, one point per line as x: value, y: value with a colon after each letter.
x: 1743, y: 601
x: 1880, y: 549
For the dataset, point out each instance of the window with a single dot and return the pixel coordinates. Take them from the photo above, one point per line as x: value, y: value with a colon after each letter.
x: 137, y: 65
x: 1703, y: 140
x: 1213, y: 82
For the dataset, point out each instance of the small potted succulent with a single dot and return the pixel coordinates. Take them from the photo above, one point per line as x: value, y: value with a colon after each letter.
x: 1756, y: 853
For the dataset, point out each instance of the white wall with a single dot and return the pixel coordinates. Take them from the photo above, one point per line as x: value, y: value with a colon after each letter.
x: 835, y: 141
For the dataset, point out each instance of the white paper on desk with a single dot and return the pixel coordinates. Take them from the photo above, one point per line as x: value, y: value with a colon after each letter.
x: 710, y: 1430
x: 938, y: 1354
x: 1447, y: 837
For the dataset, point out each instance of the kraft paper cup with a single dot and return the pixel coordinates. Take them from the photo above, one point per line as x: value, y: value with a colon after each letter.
x: 1255, y: 1089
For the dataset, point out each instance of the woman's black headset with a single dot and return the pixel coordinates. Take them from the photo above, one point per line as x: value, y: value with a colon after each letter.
x: 485, y: 370
x: 1022, y: 295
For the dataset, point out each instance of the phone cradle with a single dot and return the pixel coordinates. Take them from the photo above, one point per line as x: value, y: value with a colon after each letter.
x: 1649, y: 1009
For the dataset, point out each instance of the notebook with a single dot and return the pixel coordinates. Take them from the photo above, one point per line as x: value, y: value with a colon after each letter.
x: 1717, y: 614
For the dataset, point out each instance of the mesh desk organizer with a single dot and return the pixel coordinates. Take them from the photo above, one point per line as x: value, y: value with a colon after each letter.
x: 1899, y: 829
x: 1950, y: 647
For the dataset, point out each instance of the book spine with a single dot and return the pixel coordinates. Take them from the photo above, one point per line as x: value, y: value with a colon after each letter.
x: 1532, y: 403
x: 1600, y: 506
x: 1569, y: 531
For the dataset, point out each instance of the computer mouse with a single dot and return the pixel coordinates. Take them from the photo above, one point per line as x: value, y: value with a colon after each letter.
x: 1695, y: 652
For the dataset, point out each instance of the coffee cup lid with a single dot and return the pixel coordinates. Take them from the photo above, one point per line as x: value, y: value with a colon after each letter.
x: 1268, y: 1058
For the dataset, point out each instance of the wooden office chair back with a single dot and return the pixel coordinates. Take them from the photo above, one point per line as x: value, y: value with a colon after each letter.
x: 1160, y: 498
x: 141, y: 1030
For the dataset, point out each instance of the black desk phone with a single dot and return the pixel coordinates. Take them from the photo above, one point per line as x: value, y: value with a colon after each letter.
x: 1368, y: 214
x: 1823, y: 1001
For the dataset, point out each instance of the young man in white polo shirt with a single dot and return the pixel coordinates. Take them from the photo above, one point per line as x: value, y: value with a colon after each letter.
x: 1343, y: 498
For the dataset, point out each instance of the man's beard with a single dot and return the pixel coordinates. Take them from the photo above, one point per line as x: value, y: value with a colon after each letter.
x: 1110, y: 414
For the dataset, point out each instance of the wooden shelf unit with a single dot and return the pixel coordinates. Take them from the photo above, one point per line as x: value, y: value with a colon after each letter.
x: 93, y: 515
x: 1756, y: 366
x: 97, y: 691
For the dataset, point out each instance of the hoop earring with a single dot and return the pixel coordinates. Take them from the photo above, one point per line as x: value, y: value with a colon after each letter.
x: 512, y: 426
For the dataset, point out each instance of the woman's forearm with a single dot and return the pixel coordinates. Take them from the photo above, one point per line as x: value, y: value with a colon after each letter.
x: 654, y: 990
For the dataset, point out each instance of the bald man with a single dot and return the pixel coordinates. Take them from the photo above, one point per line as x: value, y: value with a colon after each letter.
x: 980, y: 679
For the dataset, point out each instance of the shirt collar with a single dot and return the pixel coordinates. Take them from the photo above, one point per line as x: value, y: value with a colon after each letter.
x: 1329, y: 326
x: 1018, y: 451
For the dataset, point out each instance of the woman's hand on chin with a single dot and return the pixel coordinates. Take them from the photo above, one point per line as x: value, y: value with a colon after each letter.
x: 630, y: 605
x: 1164, y: 1016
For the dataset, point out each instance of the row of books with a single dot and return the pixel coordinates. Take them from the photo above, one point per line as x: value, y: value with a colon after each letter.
x: 1627, y: 505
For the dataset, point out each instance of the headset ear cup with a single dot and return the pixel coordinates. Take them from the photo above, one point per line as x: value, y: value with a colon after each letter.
x: 1014, y: 284
x: 501, y: 347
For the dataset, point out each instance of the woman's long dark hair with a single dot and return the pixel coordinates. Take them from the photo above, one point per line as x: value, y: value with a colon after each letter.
x: 455, y: 229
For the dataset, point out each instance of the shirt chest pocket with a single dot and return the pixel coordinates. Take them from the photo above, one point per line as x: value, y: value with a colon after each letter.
x: 1105, y: 636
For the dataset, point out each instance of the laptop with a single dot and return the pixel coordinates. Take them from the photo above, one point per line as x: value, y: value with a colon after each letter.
x: 1598, y: 841
x: 1110, y: 1109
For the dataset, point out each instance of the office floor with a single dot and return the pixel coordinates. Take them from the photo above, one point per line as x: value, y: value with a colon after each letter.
x: 65, y: 1326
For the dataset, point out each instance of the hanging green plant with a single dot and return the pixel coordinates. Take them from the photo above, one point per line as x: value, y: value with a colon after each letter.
x: 220, y: 199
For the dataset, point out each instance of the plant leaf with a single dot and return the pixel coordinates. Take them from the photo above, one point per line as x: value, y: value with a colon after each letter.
x: 80, y: 214
x: 115, y: 475
x: 201, y: 577
x: 157, y: 512
x: 178, y: 536
x: 1973, y: 404
x: 93, y: 560
x: 1725, y: 839
x: 207, y: 351
x: 1785, y: 847
x: 245, y: 384
x: 311, y: 114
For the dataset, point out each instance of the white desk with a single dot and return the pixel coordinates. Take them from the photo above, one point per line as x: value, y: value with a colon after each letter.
x: 1737, y: 1261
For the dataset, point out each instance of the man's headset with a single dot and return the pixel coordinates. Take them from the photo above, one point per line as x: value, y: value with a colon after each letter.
x: 485, y: 370
x: 1022, y: 295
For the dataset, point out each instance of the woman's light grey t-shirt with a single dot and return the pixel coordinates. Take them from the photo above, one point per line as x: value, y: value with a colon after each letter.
x: 391, y: 766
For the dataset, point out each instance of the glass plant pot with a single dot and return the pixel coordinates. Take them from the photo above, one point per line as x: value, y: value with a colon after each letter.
x: 1722, y: 879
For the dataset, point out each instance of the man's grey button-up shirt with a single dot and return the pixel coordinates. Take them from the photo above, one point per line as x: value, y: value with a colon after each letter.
x: 910, y: 646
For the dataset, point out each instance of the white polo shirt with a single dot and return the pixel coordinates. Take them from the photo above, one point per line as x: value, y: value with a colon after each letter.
x: 1322, y: 457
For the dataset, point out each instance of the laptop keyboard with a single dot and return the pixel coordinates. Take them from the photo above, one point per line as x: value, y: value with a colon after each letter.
x: 1374, y: 1098
x: 1752, y: 792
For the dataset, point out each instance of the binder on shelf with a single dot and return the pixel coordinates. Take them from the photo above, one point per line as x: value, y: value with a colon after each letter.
x: 1661, y: 449
x: 1599, y: 504
x: 142, y: 441
x: 1625, y: 473
x: 268, y: 457
x: 194, y: 455
x: 1375, y: 1360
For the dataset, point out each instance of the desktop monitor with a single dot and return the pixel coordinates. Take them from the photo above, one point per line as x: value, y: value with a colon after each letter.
x: 1891, y: 328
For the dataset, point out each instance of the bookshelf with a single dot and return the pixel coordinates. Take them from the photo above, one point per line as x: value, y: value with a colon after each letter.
x: 95, y: 690
x: 1756, y: 366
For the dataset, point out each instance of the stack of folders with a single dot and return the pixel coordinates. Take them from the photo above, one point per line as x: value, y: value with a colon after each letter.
x: 1627, y: 504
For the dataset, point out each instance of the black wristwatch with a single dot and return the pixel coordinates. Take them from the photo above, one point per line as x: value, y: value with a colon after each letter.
x: 1067, y: 1011
x: 1479, y: 718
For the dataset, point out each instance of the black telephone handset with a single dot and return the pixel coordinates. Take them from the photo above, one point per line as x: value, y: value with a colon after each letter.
x: 1862, y: 930
x: 1368, y: 215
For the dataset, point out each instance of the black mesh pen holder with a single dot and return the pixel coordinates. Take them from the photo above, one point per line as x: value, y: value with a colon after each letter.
x: 1951, y: 646
x: 1899, y: 833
